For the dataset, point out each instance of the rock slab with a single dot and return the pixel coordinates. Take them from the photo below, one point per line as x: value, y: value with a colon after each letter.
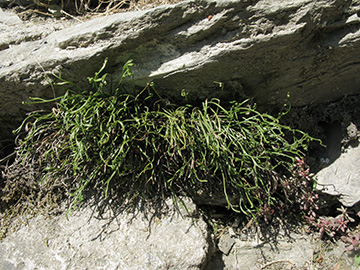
x: 280, y: 249
x: 342, y: 177
x: 126, y: 241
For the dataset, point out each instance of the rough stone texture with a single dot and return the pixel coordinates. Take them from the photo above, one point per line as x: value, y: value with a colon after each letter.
x: 259, y: 48
x: 179, y: 239
x: 226, y: 242
x: 14, y: 31
x: 286, y: 250
x: 125, y: 241
x: 342, y: 177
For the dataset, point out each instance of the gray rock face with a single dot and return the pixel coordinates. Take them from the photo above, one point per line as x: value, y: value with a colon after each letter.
x: 253, y: 253
x: 179, y: 239
x: 14, y: 31
x: 127, y: 241
x: 257, y: 48
x: 289, y: 251
x: 342, y: 177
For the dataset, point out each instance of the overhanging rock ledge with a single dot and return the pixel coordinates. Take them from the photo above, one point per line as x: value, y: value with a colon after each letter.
x: 260, y: 48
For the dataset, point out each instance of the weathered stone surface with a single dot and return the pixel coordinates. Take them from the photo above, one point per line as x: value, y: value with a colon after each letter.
x: 126, y: 241
x: 14, y: 31
x: 286, y: 250
x: 226, y: 242
x: 342, y: 177
x: 259, y: 48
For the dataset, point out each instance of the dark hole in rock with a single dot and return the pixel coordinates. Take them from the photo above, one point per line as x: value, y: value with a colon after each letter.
x: 7, y: 155
x: 334, y: 135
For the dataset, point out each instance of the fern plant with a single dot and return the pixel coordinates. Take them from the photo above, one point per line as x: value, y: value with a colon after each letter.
x: 143, y: 145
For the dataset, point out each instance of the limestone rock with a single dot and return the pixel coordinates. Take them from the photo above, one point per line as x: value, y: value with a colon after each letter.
x: 294, y: 250
x: 342, y: 177
x: 258, y: 48
x: 226, y: 242
x: 125, y: 241
x: 14, y: 31
x: 290, y: 250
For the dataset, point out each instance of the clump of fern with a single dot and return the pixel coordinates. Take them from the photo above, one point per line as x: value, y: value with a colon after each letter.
x: 142, y: 145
